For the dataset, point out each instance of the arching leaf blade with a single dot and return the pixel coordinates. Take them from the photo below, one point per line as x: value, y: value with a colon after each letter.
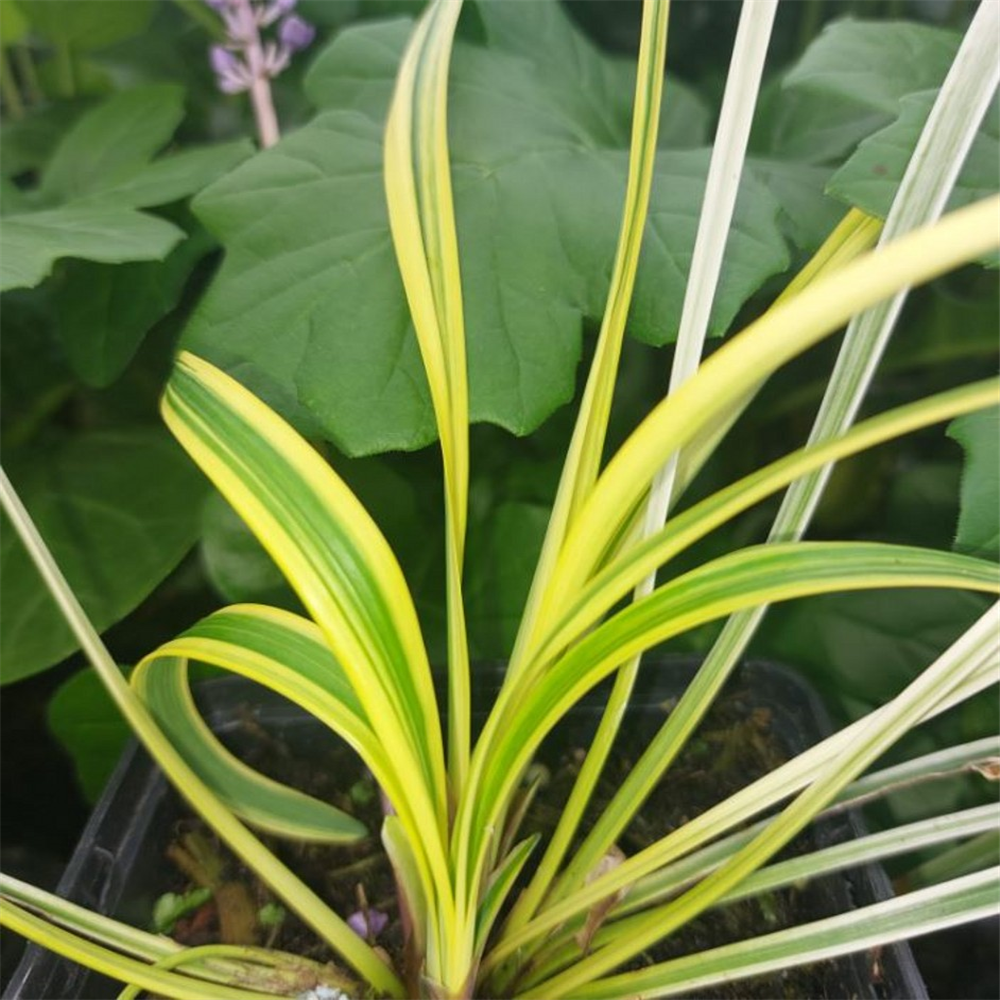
x: 265, y: 804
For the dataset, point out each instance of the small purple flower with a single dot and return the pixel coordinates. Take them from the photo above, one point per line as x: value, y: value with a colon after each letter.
x: 246, y: 61
x: 295, y: 34
x: 275, y: 59
x: 368, y: 924
x: 222, y: 60
x: 230, y: 73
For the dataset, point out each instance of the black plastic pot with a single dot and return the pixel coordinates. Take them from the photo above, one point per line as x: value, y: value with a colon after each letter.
x: 117, y: 867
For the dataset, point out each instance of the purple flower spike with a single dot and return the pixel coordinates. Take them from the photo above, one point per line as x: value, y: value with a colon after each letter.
x: 368, y: 925
x: 217, y: 5
x: 230, y: 73
x: 295, y: 34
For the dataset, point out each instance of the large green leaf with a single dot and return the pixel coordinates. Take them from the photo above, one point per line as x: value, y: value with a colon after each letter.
x: 236, y: 562
x: 847, y: 85
x: 861, y: 652
x: 948, y: 322
x: 31, y: 243
x: 503, y: 549
x: 874, y: 63
x: 119, y: 135
x: 84, y: 719
x: 979, y: 520
x: 308, y: 308
x: 104, y: 311
x: 86, y: 26
x: 803, y: 126
x: 869, y: 179
x: 169, y: 178
x: 119, y: 510
x: 27, y: 144
x: 96, y: 175
x: 808, y: 214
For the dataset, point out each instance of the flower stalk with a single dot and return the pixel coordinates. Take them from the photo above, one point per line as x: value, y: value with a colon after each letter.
x: 246, y: 63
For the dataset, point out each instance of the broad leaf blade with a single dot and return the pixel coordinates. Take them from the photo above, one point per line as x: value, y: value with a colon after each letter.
x: 346, y: 363
x: 92, y: 731
x: 85, y: 27
x: 114, y: 139
x: 169, y: 178
x: 32, y: 242
x: 978, y: 531
x: 874, y: 64
x: 119, y: 510
x: 335, y: 558
x: 870, y: 178
x: 104, y: 311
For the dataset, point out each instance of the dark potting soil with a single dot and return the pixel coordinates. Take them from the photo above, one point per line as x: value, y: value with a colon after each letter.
x: 734, y: 746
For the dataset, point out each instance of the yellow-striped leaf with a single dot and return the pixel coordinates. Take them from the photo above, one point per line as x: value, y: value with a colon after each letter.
x: 422, y: 220
x: 336, y: 559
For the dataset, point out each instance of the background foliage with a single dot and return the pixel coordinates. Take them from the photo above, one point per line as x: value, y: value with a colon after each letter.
x: 137, y: 216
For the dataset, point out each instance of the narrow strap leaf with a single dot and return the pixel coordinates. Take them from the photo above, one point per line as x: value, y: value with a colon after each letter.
x: 795, y: 871
x: 110, y: 963
x: 413, y: 901
x: 958, y: 901
x: 334, y: 556
x: 587, y: 445
x: 742, y: 579
x: 422, y: 221
x: 94, y: 926
x: 295, y: 893
x: 499, y: 887
x: 583, y: 458
x: 967, y: 667
x: 762, y: 348
x: 265, y: 804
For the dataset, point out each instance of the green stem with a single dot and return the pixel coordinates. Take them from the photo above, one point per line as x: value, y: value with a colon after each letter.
x: 8, y: 88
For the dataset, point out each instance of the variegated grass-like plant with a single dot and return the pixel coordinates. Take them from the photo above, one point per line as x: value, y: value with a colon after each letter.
x: 359, y: 664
